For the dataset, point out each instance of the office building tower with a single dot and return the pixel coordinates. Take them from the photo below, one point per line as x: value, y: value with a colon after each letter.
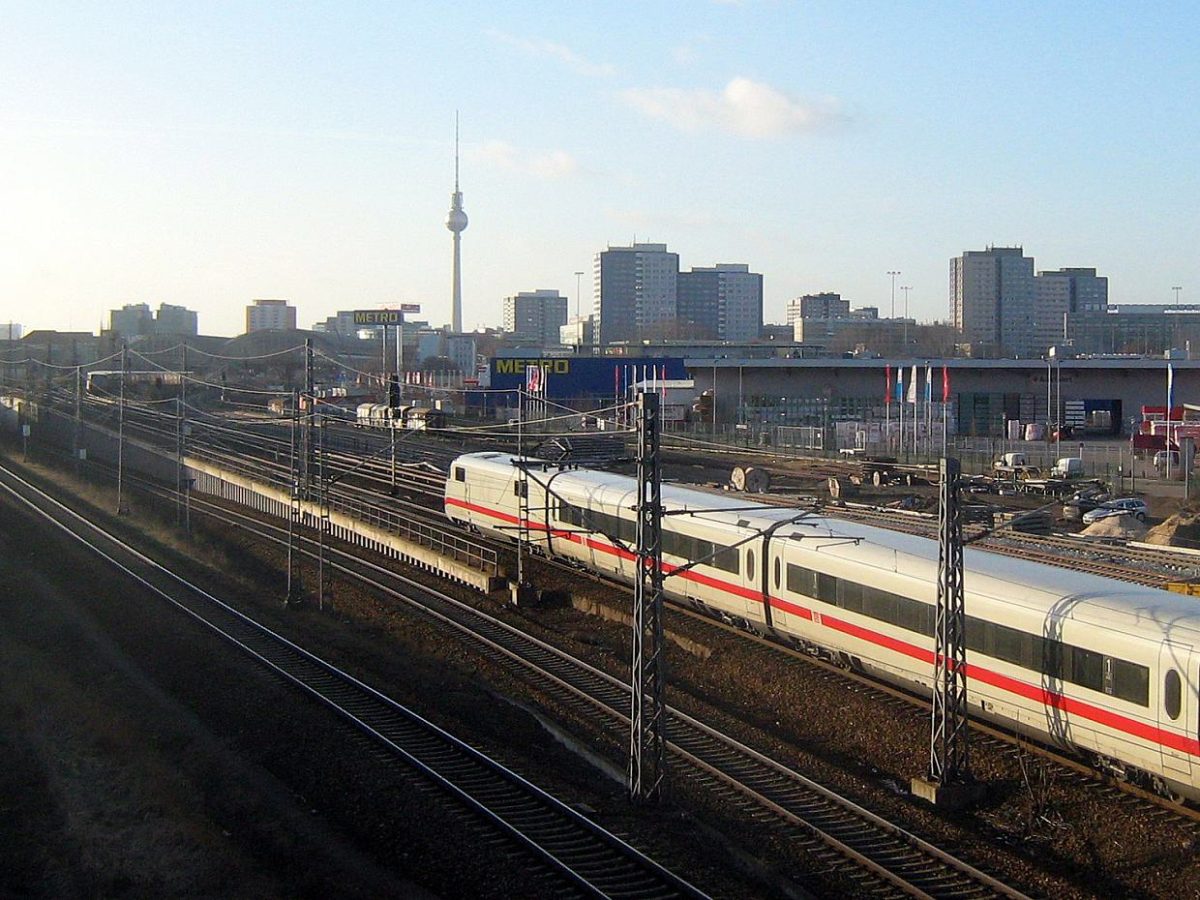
x: 176, y: 320
x: 270, y: 315
x: 635, y: 292
x: 826, y: 305
x: 534, y: 317
x: 131, y: 319
x: 721, y: 303
x: 992, y: 301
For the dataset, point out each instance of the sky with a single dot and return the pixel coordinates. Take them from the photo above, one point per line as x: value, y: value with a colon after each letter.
x: 206, y: 154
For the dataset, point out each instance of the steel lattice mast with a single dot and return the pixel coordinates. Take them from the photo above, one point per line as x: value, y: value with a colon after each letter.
x: 948, y: 745
x: 647, y: 743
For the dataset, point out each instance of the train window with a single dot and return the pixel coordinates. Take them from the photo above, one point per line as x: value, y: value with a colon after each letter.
x: 1131, y: 682
x: 1087, y: 668
x: 726, y: 558
x: 879, y: 604
x: 750, y: 564
x: 460, y: 474
x: 827, y: 588
x: 1052, y: 659
x: 1172, y: 695
x: 850, y: 595
x: 801, y: 581
x: 1008, y: 644
x: 778, y: 571
x: 914, y: 615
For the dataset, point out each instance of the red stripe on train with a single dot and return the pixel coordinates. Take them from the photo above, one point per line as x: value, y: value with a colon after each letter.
x: 1035, y: 692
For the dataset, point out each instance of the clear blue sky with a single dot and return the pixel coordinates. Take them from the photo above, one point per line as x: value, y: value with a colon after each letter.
x: 209, y: 153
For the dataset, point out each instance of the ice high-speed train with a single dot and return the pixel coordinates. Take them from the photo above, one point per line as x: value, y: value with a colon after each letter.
x: 1108, y: 669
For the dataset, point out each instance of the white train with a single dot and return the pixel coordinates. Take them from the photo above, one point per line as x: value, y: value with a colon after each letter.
x: 1105, y: 668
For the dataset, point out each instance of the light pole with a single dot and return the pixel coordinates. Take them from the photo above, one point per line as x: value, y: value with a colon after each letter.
x: 906, y: 289
x: 893, y: 274
x: 1177, y: 288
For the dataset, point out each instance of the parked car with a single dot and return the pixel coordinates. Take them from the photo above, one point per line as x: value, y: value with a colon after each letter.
x: 1083, y: 502
x: 1126, y: 506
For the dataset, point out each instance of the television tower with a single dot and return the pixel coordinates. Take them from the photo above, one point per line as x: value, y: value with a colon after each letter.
x: 456, y: 221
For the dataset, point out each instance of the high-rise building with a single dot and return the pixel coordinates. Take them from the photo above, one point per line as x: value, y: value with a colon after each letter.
x: 992, y: 301
x: 1083, y: 289
x: 534, y: 317
x: 635, y: 291
x: 132, y: 319
x: 270, y: 315
x: 826, y: 305
x: 722, y: 303
x: 456, y: 221
x: 176, y: 320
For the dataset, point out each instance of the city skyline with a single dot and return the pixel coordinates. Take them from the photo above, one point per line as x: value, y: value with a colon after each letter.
x: 204, y: 157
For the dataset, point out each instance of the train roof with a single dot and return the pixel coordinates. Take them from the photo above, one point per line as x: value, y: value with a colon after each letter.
x: 1037, y: 587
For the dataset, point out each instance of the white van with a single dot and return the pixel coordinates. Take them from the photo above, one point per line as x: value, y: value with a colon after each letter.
x: 1068, y: 467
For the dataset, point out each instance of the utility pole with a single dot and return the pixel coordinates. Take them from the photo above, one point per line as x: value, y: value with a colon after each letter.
x: 647, y: 741
x: 949, y: 779
x: 323, y: 500
x: 893, y: 274
x: 295, y: 518
x: 121, y: 427
x: 75, y: 433
x: 182, y: 484
x: 308, y: 400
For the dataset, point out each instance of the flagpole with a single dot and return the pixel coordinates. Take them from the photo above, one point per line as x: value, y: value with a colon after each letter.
x: 887, y: 407
x: 1170, y: 377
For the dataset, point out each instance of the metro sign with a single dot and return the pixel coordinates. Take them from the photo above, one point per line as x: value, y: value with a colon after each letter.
x: 385, y: 316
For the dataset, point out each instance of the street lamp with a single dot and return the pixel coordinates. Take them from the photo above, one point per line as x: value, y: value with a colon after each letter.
x: 1177, y: 288
x: 894, y: 274
x: 906, y: 289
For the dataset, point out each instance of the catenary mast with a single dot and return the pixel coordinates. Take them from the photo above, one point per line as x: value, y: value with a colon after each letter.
x: 456, y: 221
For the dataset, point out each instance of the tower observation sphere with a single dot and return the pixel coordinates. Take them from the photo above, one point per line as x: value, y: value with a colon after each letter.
x: 456, y: 219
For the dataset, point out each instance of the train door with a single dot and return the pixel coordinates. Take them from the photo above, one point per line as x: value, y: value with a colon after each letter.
x: 462, y: 487
x: 1177, y: 709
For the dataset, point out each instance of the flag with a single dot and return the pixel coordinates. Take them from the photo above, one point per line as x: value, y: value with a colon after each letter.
x: 912, y: 386
x: 887, y: 391
x: 533, y: 379
x: 945, y: 384
x: 1170, y: 389
x: 928, y: 383
x: 899, y: 384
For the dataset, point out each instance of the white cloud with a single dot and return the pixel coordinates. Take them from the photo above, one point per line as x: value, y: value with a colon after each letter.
x: 560, y: 52
x: 689, y: 52
x: 550, y: 165
x: 745, y: 107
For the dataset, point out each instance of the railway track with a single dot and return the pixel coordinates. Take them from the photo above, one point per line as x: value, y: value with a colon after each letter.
x: 885, y: 859
x: 586, y: 859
